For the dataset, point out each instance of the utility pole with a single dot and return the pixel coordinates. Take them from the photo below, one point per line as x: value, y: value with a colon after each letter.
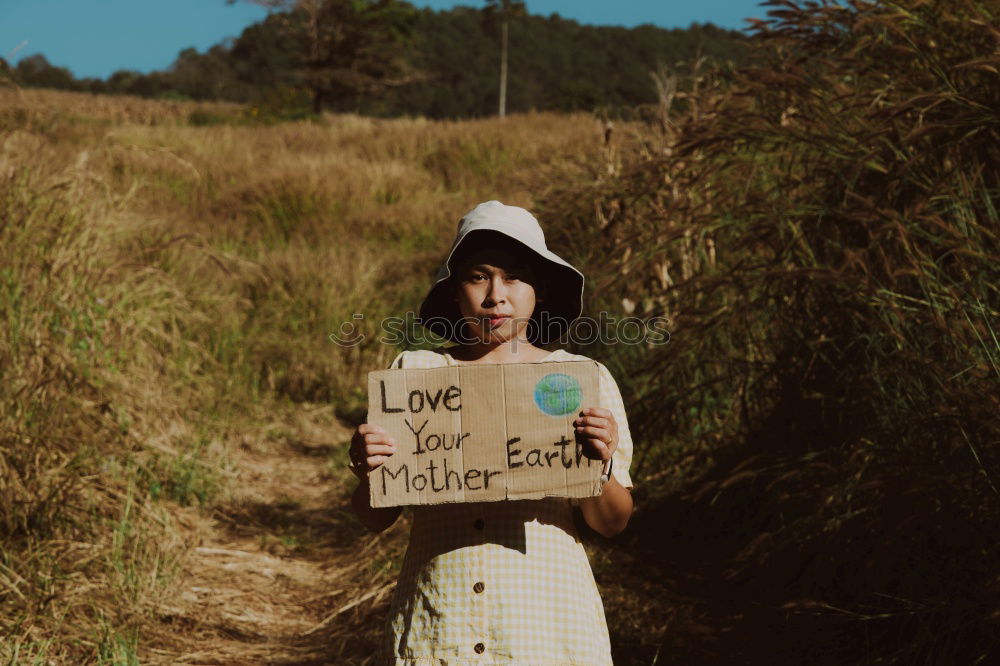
x: 507, y: 9
x: 504, y: 30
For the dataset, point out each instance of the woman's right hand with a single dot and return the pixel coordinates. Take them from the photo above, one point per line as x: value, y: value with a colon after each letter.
x: 370, y: 447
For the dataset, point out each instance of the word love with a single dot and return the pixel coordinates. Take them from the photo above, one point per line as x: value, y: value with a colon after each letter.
x: 416, y: 401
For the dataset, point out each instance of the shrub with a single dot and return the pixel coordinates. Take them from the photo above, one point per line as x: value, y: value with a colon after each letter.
x: 820, y: 228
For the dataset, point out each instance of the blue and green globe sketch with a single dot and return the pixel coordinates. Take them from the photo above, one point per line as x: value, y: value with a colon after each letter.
x: 557, y: 394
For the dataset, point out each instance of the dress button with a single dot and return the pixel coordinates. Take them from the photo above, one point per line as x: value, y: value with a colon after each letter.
x: 478, y: 587
x: 479, y: 648
x: 479, y: 524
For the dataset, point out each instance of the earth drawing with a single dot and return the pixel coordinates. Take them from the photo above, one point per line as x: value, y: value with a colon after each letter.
x: 557, y: 394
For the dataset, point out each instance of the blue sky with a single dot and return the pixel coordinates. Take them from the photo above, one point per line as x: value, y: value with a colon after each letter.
x: 98, y: 37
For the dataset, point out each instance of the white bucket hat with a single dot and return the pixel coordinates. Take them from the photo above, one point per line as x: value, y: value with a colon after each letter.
x: 564, y: 284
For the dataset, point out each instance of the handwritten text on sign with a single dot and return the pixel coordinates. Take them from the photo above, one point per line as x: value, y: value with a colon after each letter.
x: 475, y: 433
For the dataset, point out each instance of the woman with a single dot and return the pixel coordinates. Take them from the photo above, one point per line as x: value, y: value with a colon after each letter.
x: 502, y: 582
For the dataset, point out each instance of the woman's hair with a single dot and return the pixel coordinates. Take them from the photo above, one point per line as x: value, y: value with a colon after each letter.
x: 524, y: 258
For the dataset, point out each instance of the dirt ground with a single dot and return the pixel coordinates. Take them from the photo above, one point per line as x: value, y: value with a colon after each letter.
x: 278, y: 572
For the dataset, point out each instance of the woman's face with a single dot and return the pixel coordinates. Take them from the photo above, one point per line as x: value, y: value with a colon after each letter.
x: 496, y: 295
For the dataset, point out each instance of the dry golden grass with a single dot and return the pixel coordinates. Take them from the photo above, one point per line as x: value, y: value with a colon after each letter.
x: 818, y: 453
x: 169, y: 388
x: 46, y: 107
x: 816, y: 469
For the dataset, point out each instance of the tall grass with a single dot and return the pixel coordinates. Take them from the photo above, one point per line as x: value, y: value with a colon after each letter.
x: 821, y: 228
x: 80, y: 553
x: 166, y: 284
x: 816, y: 445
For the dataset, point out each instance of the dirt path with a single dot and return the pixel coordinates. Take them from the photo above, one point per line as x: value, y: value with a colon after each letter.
x: 280, y: 573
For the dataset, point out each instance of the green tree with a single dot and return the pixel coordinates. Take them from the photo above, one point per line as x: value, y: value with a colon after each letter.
x: 351, y: 48
x: 204, y: 76
x: 37, y: 72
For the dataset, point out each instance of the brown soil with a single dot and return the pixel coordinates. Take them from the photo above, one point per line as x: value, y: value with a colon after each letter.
x: 280, y: 572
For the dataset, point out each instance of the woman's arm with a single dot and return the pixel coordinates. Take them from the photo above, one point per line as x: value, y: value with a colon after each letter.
x: 609, y: 512
x: 375, y: 519
x: 370, y: 447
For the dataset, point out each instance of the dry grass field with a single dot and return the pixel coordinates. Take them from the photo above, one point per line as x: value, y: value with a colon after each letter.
x: 817, y: 470
x: 174, y: 414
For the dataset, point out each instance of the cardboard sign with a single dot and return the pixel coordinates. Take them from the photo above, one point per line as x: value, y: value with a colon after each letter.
x: 481, y: 433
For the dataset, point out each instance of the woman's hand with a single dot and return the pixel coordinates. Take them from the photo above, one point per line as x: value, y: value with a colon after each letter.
x: 597, y: 429
x: 370, y: 447
x: 609, y: 512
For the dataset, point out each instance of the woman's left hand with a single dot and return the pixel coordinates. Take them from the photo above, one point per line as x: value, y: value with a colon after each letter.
x: 597, y: 429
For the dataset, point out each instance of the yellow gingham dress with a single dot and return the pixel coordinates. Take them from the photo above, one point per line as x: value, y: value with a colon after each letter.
x: 501, y: 582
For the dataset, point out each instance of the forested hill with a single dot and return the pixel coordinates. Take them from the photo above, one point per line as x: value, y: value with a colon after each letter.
x: 555, y: 63
x: 437, y: 64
